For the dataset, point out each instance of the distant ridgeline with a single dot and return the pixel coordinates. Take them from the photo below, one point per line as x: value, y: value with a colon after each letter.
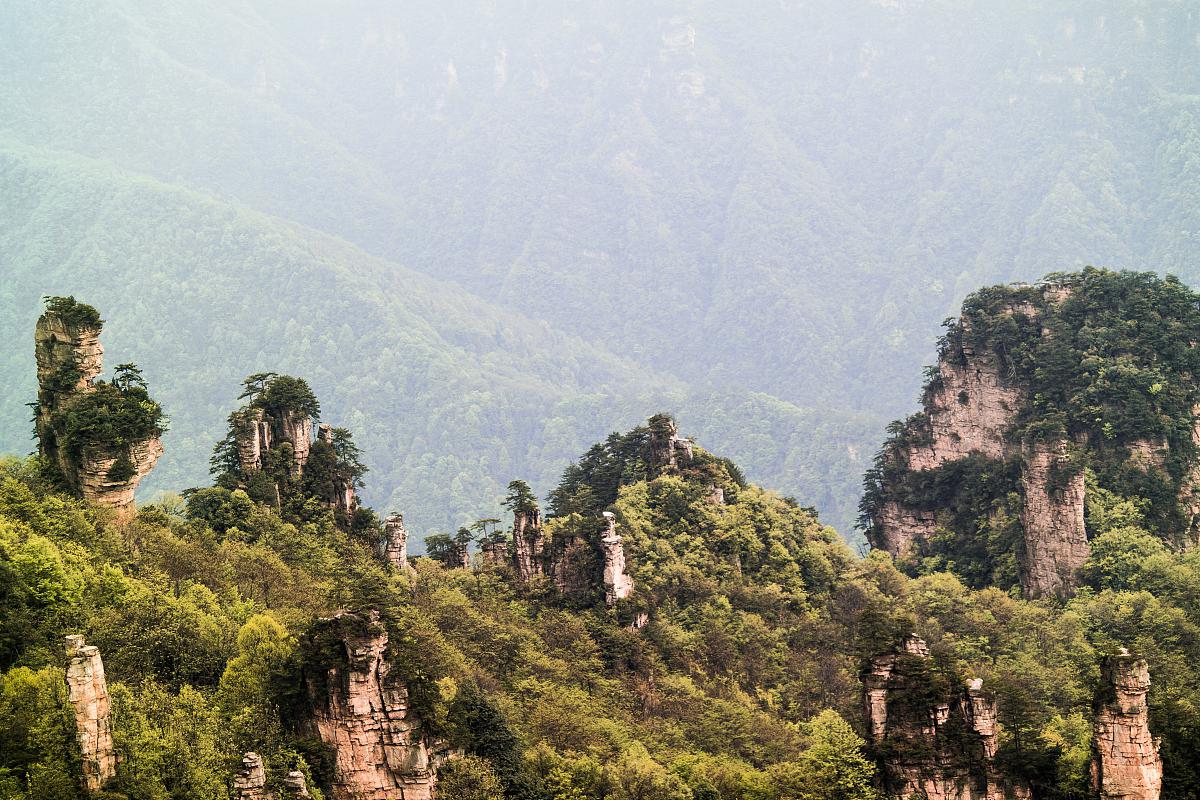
x: 1052, y: 407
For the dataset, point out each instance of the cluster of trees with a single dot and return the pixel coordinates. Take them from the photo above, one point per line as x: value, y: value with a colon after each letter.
x: 332, y: 467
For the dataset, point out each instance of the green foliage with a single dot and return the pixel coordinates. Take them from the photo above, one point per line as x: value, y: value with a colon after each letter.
x: 1106, y: 361
x: 111, y: 416
x: 469, y: 778
x: 74, y: 313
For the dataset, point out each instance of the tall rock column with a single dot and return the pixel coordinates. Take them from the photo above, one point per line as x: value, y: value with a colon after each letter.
x: 87, y: 692
x: 940, y: 748
x: 69, y: 359
x: 617, y: 584
x: 528, y: 543
x: 1125, y: 760
x: 361, y: 712
x: 395, y: 541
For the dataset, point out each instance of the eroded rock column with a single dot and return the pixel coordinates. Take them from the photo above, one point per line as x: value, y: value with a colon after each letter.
x: 361, y: 711
x: 528, y: 544
x: 395, y: 541
x: 617, y: 584
x: 940, y: 750
x: 87, y: 692
x: 251, y: 781
x: 1125, y: 759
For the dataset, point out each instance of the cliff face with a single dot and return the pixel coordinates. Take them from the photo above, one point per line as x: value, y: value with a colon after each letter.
x: 970, y: 411
x: 87, y: 692
x: 943, y: 750
x: 1056, y: 542
x: 69, y: 359
x: 259, y: 431
x: 1033, y: 385
x: 1125, y: 760
x: 667, y: 451
x: 360, y: 711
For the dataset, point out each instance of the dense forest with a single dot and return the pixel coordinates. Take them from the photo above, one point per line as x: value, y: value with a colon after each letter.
x: 731, y: 665
x: 756, y: 220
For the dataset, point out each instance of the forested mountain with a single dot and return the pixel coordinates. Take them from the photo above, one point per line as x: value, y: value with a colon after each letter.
x: 784, y: 202
x: 662, y: 629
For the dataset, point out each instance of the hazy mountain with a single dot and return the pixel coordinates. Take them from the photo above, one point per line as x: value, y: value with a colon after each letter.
x: 785, y: 202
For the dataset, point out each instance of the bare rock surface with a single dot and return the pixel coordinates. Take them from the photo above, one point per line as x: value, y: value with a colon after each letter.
x: 360, y: 710
x: 87, y: 692
x: 63, y: 348
x: 1125, y: 758
x: 944, y: 750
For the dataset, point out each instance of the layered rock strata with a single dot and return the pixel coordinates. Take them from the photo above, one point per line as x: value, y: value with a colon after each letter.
x: 1125, y: 757
x: 258, y: 432
x: 940, y: 751
x: 69, y: 359
x: 394, y: 546
x: 617, y: 584
x: 250, y: 783
x: 87, y: 692
x: 360, y: 710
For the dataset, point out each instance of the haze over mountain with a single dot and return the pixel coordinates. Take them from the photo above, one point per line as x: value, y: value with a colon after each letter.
x: 489, y: 234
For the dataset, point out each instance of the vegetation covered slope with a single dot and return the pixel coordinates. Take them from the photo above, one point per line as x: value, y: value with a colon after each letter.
x: 743, y: 684
x: 448, y: 395
x: 786, y: 201
x: 1105, y: 362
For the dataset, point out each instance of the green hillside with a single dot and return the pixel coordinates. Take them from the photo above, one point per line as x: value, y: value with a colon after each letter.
x: 450, y: 397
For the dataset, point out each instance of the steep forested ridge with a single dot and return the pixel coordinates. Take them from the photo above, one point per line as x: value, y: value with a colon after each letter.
x: 783, y: 202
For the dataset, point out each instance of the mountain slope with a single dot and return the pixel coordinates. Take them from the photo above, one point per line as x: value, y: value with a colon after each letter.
x: 451, y: 397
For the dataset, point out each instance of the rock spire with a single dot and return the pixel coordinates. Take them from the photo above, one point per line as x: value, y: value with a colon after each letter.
x: 87, y: 692
x: 69, y: 360
x: 1125, y: 759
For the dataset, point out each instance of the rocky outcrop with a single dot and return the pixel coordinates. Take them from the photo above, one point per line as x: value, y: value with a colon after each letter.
x: 87, y: 692
x: 257, y: 432
x: 970, y: 409
x: 296, y: 786
x: 1056, y: 543
x: 394, y: 546
x: 1125, y: 759
x: 944, y: 750
x: 360, y: 710
x: 343, y: 498
x: 495, y: 551
x: 528, y: 544
x: 617, y: 584
x: 69, y: 359
x: 250, y: 783
x: 667, y: 451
